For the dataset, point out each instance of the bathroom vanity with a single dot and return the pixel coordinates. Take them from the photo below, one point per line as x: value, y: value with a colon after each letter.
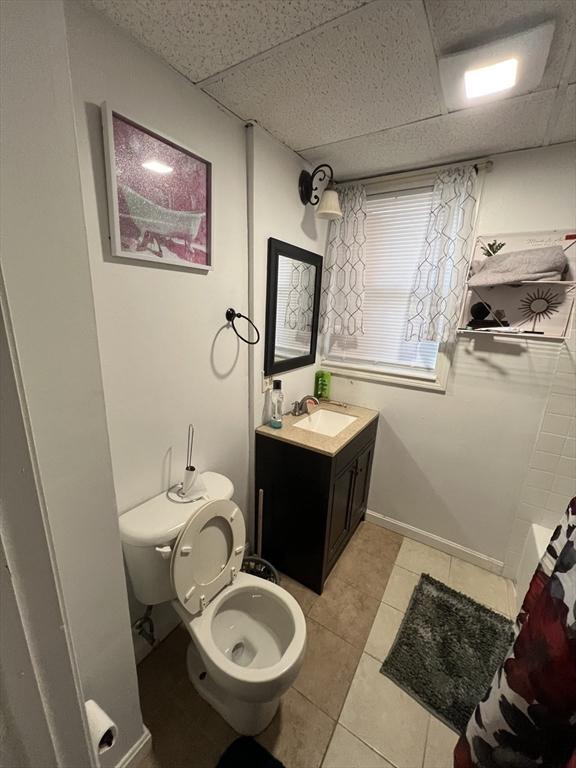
x: 312, y: 488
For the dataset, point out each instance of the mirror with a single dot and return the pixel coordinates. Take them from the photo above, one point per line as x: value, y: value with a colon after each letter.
x: 292, y: 307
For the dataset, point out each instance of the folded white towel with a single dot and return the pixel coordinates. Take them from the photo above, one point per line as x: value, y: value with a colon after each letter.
x: 534, y: 264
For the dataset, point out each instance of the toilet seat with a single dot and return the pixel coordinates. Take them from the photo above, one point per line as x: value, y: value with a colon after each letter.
x: 208, y: 554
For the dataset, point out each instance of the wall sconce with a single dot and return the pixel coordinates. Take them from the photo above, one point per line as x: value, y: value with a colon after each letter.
x: 329, y: 207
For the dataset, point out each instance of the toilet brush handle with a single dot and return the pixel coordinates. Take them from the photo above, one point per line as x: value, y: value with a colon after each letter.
x: 259, y: 516
x: 190, y: 444
x: 190, y: 472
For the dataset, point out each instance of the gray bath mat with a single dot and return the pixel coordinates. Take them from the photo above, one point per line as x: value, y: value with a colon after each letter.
x: 447, y: 651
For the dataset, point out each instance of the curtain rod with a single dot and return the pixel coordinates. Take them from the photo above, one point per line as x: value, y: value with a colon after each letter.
x: 481, y: 164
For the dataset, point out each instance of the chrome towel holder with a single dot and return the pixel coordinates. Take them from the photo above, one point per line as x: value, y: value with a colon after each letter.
x: 232, y: 315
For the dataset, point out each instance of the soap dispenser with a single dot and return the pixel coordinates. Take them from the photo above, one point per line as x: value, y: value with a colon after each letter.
x: 277, y: 404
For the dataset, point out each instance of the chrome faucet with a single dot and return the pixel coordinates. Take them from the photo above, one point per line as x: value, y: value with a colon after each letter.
x: 303, y: 406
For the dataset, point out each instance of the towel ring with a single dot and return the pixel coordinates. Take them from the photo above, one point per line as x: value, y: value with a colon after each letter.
x: 232, y: 315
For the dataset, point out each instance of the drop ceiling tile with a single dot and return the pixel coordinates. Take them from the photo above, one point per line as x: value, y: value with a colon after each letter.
x: 202, y: 37
x: 371, y: 69
x: 565, y: 127
x: 501, y: 127
x: 460, y: 25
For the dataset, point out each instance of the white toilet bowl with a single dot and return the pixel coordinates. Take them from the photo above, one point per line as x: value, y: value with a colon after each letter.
x: 248, y: 635
x: 250, y: 645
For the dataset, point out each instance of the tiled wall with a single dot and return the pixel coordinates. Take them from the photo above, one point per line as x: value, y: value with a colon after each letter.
x: 551, y: 478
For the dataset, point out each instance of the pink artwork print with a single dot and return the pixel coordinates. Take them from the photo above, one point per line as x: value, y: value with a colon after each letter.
x: 163, y: 197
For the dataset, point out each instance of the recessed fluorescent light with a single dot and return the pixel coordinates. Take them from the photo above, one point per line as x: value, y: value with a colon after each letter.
x: 493, y: 79
x: 508, y: 66
x: 157, y: 166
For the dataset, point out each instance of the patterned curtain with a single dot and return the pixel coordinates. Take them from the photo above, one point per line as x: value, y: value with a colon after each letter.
x: 527, y: 719
x: 437, y: 293
x: 300, y: 302
x: 343, y: 277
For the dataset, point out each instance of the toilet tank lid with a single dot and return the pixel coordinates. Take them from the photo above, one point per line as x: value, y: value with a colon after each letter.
x: 158, y: 521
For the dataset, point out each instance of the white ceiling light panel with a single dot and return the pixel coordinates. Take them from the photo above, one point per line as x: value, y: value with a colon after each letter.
x: 507, y: 67
x: 493, y: 79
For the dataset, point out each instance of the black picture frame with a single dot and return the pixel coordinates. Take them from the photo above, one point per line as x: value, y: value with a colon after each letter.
x: 278, y: 248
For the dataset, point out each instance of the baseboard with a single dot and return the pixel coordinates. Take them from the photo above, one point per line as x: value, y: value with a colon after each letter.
x: 137, y: 751
x: 444, y: 545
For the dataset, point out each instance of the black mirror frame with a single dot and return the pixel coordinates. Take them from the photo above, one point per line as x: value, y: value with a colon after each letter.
x: 278, y: 248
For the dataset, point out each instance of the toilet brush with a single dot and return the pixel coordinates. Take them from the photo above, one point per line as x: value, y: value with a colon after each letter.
x: 192, y: 487
x: 190, y: 473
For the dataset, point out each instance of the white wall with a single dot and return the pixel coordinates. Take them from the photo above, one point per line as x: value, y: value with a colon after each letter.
x: 25, y: 738
x: 550, y: 481
x: 530, y: 190
x: 40, y: 701
x: 166, y: 361
x: 275, y: 210
x: 51, y: 312
x: 453, y: 465
x: 167, y: 358
x: 29, y: 604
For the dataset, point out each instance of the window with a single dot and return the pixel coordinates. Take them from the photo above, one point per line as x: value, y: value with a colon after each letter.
x: 396, y: 231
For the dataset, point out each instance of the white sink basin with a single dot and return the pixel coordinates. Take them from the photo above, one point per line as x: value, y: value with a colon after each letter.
x: 325, y: 422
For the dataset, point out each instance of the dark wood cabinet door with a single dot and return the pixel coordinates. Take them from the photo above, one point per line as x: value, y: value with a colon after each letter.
x: 307, y: 524
x: 361, y: 486
x: 339, y: 513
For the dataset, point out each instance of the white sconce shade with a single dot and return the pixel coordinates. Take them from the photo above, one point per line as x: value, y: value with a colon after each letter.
x: 329, y: 206
x: 327, y: 202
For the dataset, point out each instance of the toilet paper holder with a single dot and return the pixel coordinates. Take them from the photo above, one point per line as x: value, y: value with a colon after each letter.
x: 103, y: 731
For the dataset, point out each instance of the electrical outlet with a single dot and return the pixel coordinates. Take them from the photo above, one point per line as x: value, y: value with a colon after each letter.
x: 266, y: 383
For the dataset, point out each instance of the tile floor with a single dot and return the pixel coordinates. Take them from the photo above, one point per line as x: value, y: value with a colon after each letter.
x: 341, y: 712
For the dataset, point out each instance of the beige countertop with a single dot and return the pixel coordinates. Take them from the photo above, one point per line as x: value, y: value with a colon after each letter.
x: 315, y: 441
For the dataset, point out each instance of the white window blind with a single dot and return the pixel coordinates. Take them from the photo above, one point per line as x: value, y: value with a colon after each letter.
x: 396, y: 229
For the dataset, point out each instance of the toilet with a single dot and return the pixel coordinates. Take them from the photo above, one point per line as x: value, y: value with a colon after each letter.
x: 248, y: 636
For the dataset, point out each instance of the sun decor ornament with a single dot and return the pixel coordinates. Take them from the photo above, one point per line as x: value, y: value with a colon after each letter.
x: 539, y: 305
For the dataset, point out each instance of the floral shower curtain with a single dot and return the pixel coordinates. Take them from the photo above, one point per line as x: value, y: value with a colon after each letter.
x: 528, y: 717
x: 342, y: 295
x: 437, y: 292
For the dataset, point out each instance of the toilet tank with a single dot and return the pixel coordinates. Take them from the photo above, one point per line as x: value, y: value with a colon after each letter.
x: 149, y: 531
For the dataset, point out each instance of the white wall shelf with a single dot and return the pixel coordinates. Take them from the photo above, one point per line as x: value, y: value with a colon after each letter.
x: 512, y: 303
x: 507, y: 334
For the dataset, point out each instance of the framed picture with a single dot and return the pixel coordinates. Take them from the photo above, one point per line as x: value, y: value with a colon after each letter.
x: 159, y: 196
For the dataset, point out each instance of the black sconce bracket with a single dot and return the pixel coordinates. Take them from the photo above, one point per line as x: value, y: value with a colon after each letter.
x: 307, y: 183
